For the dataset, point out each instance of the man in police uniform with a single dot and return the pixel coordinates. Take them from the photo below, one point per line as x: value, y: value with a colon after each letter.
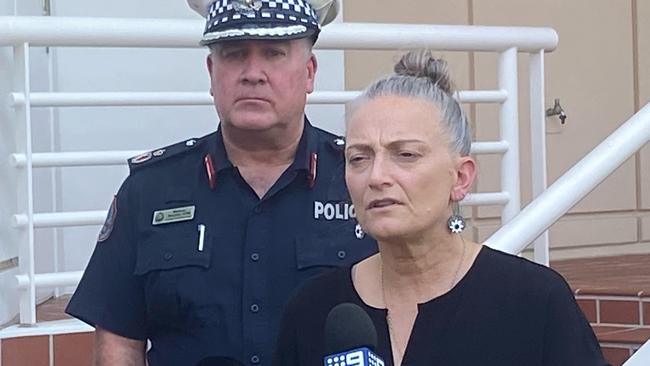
x: 207, y: 238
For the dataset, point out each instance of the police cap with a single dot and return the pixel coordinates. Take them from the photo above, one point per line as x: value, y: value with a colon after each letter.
x: 263, y: 19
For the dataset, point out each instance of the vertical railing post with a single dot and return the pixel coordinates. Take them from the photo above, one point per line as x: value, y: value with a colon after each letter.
x: 57, y: 245
x: 509, y: 129
x: 538, y: 144
x: 26, y: 192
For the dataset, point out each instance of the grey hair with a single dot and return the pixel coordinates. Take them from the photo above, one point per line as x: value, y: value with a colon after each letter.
x: 418, y: 74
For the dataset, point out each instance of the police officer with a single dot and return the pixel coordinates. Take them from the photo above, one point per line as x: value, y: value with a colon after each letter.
x: 206, y: 239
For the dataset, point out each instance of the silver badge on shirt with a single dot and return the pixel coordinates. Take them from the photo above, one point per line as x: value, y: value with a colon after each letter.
x: 173, y: 215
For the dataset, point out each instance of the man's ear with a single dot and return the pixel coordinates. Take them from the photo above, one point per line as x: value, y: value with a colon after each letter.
x: 208, y: 64
x: 312, y: 66
x: 465, y: 175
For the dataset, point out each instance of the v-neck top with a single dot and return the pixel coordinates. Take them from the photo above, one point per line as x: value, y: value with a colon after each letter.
x: 506, y: 310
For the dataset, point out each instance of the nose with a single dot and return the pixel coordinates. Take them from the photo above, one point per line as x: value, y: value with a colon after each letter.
x: 254, y: 71
x: 379, y: 174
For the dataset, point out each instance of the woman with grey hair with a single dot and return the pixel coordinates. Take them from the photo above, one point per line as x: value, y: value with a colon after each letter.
x: 433, y: 297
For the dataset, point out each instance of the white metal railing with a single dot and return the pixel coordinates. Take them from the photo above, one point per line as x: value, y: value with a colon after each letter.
x: 21, y: 33
x: 140, y: 99
x: 573, y: 185
x: 157, y: 33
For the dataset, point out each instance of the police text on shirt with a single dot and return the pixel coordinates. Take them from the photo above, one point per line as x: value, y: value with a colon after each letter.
x: 334, y: 211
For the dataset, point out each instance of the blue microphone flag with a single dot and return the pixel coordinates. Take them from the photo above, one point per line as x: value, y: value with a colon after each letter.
x: 357, y: 357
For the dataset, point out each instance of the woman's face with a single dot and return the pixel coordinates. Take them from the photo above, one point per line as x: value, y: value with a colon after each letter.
x: 399, y: 170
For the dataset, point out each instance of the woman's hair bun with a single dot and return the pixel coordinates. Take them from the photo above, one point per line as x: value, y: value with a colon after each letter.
x: 422, y: 64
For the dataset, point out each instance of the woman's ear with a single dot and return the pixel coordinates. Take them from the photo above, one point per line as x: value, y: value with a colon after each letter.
x: 465, y: 174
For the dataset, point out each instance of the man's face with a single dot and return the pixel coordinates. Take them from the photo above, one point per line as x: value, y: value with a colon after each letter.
x: 260, y: 85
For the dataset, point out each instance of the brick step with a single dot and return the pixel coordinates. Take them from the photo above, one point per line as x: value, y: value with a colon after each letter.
x: 614, y: 294
x: 620, y: 342
x: 71, y: 349
x: 621, y: 321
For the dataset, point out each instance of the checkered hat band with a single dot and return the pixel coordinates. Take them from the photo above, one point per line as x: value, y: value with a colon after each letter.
x: 254, y: 32
x: 290, y: 11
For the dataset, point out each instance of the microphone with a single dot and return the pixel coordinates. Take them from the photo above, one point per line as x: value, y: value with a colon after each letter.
x: 350, y: 337
x: 218, y: 361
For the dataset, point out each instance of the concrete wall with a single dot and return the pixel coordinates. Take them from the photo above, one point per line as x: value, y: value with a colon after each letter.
x: 600, y: 72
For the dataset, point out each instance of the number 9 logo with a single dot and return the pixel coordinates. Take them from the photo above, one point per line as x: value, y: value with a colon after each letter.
x: 355, y: 359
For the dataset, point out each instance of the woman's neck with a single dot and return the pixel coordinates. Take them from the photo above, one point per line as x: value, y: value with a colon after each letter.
x: 413, y: 273
x: 418, y: 272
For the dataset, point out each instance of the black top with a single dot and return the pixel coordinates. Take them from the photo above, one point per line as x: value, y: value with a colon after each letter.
x: 148, y: 279
x: 505, y: 311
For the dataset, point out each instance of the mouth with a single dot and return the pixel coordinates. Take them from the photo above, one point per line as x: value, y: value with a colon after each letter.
x: 385, y: 202
x: 252, y: 99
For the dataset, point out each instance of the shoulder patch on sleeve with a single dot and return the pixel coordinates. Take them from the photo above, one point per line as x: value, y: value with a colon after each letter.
x: 155, y: 156
x: 107, y: 229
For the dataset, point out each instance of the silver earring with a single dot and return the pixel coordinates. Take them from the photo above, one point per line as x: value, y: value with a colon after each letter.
x: 456, y: 222
x: 358, y: 231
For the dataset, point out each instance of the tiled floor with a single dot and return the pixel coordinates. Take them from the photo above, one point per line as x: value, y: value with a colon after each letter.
x: 53, y: 309
x: 624, y: 275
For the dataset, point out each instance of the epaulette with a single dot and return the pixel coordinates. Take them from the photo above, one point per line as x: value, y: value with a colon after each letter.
x: 155, y: 156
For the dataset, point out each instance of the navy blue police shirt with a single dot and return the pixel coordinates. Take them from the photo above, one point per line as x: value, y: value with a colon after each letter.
x: 205, y: 271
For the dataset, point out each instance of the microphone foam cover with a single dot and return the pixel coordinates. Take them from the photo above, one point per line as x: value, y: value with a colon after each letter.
x: 347, y: 327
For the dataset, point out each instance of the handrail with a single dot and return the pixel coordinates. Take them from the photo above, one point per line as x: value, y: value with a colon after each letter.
x: 573, y: 185
x: 111, y: 99
x: 109, y: 32
x: 87, y: 218
x: 96, y: 158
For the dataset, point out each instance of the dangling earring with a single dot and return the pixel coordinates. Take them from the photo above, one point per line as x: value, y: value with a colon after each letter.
x: 456, y: 222
x: 358, y: 231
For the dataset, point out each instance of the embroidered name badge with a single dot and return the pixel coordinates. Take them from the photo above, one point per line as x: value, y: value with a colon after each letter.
x: 173, y: 215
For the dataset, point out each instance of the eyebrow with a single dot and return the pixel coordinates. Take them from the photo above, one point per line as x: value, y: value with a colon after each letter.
x: 391, y: 144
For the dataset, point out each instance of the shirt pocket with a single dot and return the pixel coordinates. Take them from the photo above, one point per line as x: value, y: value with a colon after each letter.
x: 315, y: 255
x: 331, y: 245
x: 176, y: 279
x: 171, y: 250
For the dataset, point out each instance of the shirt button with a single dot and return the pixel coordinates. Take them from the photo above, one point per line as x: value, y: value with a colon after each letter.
x: 257, y: 209
x: 255, y: 308
x: 341, y: 254
x: 255, y: 257
x: 255, y: 360
x: 168, y: 256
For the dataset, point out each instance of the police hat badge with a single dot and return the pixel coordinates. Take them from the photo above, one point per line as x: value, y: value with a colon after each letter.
x: 246, y: 7
x: 263, y: 19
